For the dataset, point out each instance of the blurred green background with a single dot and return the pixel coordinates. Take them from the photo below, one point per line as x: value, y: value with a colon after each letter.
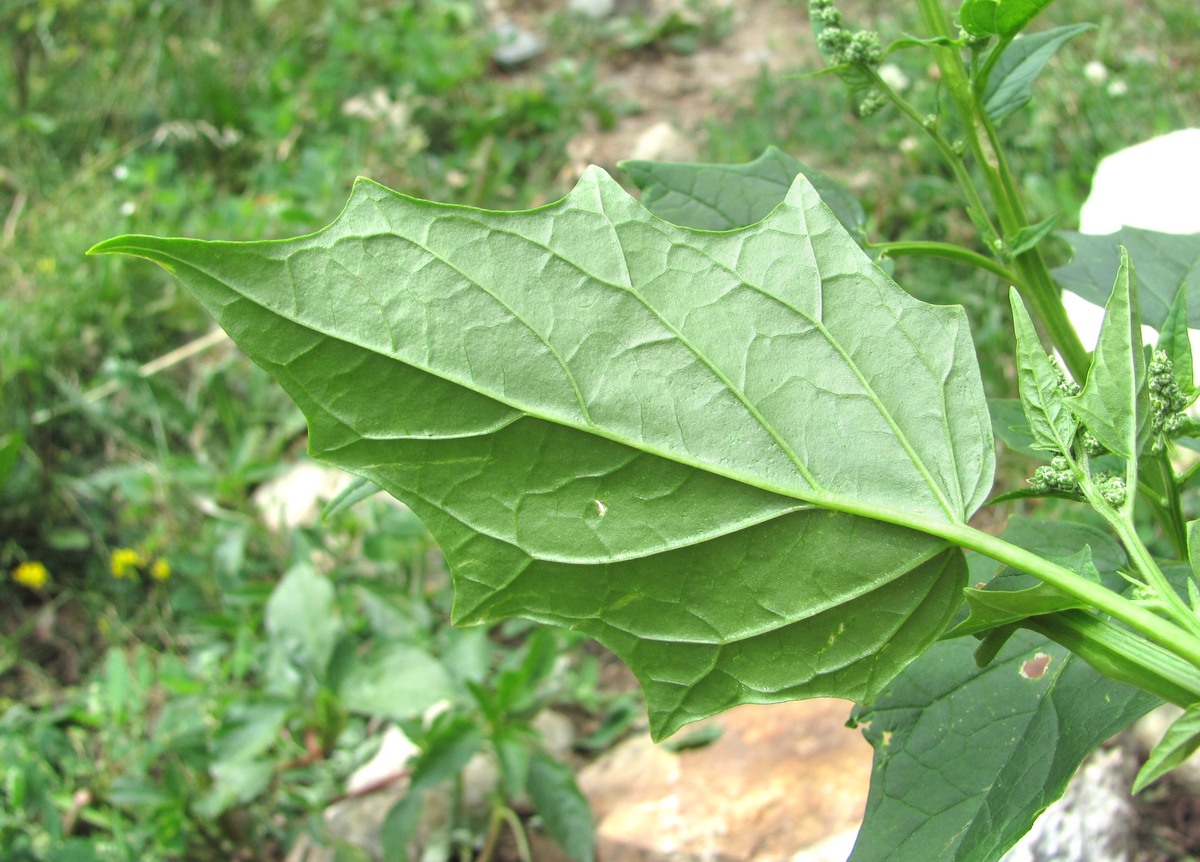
x: 158, y: 698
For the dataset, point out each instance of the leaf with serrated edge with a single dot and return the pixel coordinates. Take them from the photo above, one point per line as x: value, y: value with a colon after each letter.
x: 1043, y: 402
x: 1114, y: 403
x: 1164, y: 262
x: 1006, y: 18
x: 711, y: 451
x: 1010, y: 86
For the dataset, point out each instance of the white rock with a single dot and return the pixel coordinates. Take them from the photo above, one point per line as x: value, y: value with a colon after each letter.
x: 662, y: 142
x: 294, y: 499
x: 1092, y: 822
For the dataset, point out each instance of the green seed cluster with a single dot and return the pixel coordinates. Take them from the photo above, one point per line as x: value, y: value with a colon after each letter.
x: 1084, y: 439
x: 1056, y: 477
x: 1167, y: 400
x: 844, y: 47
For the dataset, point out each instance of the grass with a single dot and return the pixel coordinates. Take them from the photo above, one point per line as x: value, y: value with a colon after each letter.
x: 250, y: 121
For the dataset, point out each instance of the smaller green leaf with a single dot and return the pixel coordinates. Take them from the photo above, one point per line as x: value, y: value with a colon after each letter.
x: 1010, y: 86
x: 1012, y: 428
x: 1028, y: 238
x: 301, y: 618
x: 395, y: 681
x: 562, y: 807
x: 1173, y: 338
x: 1045, y: 404
x: 1113, y: 404
x: 1179, y: 743
x: 400, y: 825
x: 978, y: 17
x: 357, y: 491
x: 998, y: 604
x: 1014, y: 15
x: 446, y: 751
x: 905, y: 42
x: 248, y: 730
x: 514, y: 754
x: 235, y: 783
x: 1005, y: 18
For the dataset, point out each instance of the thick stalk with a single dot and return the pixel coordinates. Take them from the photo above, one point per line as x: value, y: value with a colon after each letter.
x: 1121, y: 655
x: 1036, y: 283
x: 1166, y: 634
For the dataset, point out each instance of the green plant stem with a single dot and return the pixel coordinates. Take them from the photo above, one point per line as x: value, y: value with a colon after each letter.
x: 945, y: 250
x: 1171, y: 518
x: 1182, y: 479
x: 949, y: 156
x: 981, y: 138
x: 1121, y: 655
x: 1166, y: 634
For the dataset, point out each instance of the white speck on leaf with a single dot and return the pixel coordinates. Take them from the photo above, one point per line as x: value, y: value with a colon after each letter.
x: 601, y: 509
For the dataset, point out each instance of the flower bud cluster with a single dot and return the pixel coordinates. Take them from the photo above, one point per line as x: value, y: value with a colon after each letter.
x: 844, y: 47
x: 1084, y: 440
x: 1167, y: 400
x: 1056, y: 477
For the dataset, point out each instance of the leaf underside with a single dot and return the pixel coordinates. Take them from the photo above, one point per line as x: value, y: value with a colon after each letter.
x: 712, y: 452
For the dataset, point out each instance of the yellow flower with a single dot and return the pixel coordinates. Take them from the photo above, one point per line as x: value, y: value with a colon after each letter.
x: 161, y: 570
x: 32, y: 575
x: 124, y: 562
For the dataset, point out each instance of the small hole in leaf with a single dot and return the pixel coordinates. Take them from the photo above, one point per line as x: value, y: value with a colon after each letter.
x: 1035, y: 668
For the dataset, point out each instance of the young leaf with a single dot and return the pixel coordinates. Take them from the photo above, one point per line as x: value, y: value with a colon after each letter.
x: 707, y: 450
x: 1028, y: 238
x: 562, y: 807
x: 725, y: 197
x: 1010, y: 86
x: 1005, y: 18
x: 998, y: 604
x: 400, y: 825
x: 1173, y: 338
x: 1045, y: 404
x: 1165, y: 262
x: 1113, y: 404
x: 1179, y: 743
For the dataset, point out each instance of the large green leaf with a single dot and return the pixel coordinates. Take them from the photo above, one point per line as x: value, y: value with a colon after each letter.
x: 725, y: 197
x: 1010, y: 86
x: 1164, y: 263
x: 967, y: 757
x: 711, y: 451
